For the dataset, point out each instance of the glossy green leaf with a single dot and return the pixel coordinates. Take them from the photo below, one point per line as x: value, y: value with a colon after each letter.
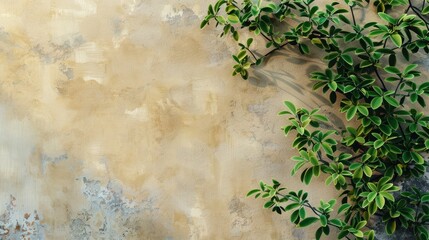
x: 308, y: 221
x: 425, y: 198
x: 251, y: 192
x: 379, y: 200
x: 392, y: 70
x: 347, y: 58
x: 343, y: 208
x: 367, y: 170
x: 387, y: 17
x: 393, y: 102
x: 363, y: 110
x: 292, y: 206
x: 390, y: 227
x: 249, y: 42
x: 323, y: 220
x: 396, y: 39
x: 232, y: 18
x: 269, y: 204
x: 294, y: 217
x: 351, y: 113
x: 291, y: 107
x: 425, y: 10
x: 376, y: 102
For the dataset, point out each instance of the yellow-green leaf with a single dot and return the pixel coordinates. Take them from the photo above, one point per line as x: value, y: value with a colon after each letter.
x: 232, y: 18
x: 396, y: 39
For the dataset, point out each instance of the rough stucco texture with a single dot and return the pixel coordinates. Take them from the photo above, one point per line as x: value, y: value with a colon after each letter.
x: 120, y: 120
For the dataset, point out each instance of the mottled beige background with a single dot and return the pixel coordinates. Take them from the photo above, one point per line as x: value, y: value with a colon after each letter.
x: 119, y: 120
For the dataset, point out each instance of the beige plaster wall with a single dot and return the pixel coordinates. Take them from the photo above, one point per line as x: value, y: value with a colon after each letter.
x: 119, y: 120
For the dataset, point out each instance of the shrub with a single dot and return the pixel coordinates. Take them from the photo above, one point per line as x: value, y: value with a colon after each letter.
x: 369, y: 71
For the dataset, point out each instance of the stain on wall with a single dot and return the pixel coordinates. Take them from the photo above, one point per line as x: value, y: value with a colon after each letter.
x: 120, y: 120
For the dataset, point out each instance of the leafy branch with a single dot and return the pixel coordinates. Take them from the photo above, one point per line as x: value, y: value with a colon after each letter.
x: 389, y: 139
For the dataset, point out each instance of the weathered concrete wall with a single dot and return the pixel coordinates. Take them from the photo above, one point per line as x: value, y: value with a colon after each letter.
x: 120, y: 120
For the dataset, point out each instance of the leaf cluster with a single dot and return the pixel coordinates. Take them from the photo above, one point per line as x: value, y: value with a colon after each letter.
x: 370, y: 71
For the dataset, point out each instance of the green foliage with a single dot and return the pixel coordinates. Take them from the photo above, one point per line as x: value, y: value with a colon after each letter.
x: 370, y: 73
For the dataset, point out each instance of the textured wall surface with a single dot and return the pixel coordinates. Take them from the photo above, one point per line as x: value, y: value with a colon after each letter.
x: 119, y: 120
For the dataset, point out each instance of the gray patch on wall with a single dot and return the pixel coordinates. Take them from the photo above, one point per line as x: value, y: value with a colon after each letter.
x: 241, y: 219
x: 51, y: 160
x: 52, y: 52
x: 15, y: 224
x: 110, y: 215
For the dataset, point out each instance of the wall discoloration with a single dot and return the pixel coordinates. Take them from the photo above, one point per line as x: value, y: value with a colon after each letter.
x: 15, y: 224
x: 120, y: 120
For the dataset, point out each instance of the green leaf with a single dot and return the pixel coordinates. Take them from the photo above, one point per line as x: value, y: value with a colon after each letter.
x: 351, y: 113
x: 264, y: 27
x: 367, y: 170
x: 333, y: 85
x: 365, y: 63
x: 372, y: 208
x: 262, y: 185
x: 336, y: 222
x: 371, y: 235
x: 319, y: 233
x: 251, y: 192
x: 255, y: 10
x: 292, y: 206
x: 221, y: 19
x: 323, y: 220
x: 390, y: 100
x: 358, y: 174
x: 308, y: 174
x: 379, y: 200
x: 371, y: 196
x: 232, y: 18
x: 363, y: 110
x: 249, y: 42
x: 388, y: 196
x: 291, y: 107
x: 425, y: 198
x: 343, y: 208
x: 268, y: 204
x: 344, y: 19
x: 294, y: 217
x: 304, y: 48
x: 392, y: 70
x: 387, y: 17
x: 235, y: 35
x: 333, y: 97
x: 417, y: 158
x: 203, y: 23
x: 327, y: 148
x: 361, y: 224
x: 376, y: 102
x: 396, y: 39
x: 302, y: 213
x: 320, y: 117
x: 241, y: 55
x: 405, y: 53
x: 347, y: 58
x: 390, y: 227
x: 306, y: 27
x: 308, y: 221
x: 342, y: 234
x: 358, y: 234
x: 425, y: 10
x: 392, y: 60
